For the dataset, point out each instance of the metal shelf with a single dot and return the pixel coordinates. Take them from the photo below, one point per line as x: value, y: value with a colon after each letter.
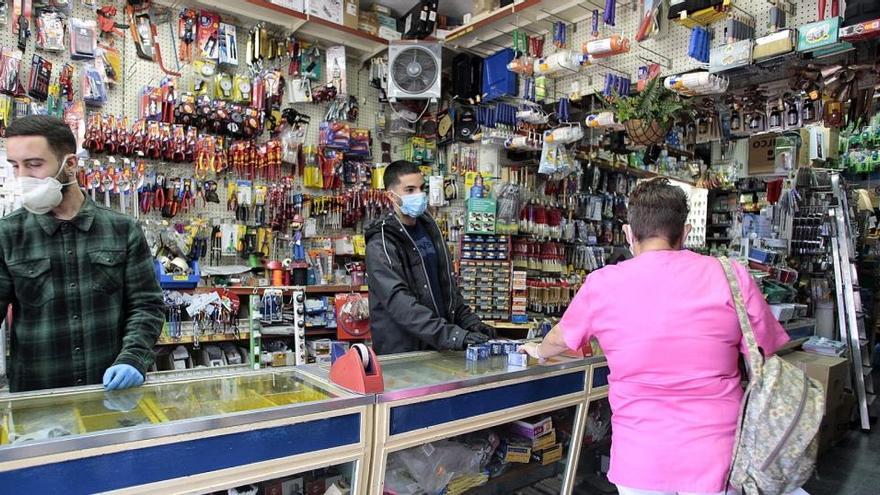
x: 635, y: 172
x: 208, y: 339
x: 302, y: 24
x: 489, y: 32
x: 204, y: 339
x: 309, y: 289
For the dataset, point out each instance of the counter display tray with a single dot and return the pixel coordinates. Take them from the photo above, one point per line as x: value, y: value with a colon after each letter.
x: 430, y: 396
x: 86, y: 439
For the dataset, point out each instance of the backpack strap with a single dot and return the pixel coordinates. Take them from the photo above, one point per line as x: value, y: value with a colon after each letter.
x: 755, y: 358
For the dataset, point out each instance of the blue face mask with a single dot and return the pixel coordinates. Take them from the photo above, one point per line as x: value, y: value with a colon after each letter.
x: 413, y: 205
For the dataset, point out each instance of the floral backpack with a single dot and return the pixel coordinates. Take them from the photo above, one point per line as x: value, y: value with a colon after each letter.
x: 776, y: 437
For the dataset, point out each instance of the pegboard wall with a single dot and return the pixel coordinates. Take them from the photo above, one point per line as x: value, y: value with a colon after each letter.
x: 668, y: 50
x: 122, y: 99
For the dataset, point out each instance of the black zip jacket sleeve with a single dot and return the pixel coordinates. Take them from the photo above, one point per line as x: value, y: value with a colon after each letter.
x: 403, y: 314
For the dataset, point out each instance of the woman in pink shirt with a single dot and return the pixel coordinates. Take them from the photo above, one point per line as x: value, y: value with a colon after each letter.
x: 667, y: 325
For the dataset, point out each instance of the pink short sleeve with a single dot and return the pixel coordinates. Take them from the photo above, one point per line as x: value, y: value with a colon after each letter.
x: 768, y: 332
x: 575, y: 322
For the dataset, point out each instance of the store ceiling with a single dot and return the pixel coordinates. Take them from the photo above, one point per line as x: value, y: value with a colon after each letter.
x: 452, y: 8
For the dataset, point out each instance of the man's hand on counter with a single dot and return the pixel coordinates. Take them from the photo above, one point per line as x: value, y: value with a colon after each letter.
x: 484, y: 329
x: 473, y: 338
x: 122, y: 376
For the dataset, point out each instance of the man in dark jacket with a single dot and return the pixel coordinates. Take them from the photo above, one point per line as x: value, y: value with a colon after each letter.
x: 415, y: 304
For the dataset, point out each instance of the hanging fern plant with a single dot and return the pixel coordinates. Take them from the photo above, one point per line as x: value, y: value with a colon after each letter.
x: 654, y: 103
x: 647, y: 115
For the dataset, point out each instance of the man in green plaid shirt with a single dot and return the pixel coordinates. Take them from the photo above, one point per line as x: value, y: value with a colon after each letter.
x: 87, y: 307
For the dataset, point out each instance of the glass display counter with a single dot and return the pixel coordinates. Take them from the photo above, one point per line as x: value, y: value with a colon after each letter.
x: 437, y: 396
x: 196, y: 435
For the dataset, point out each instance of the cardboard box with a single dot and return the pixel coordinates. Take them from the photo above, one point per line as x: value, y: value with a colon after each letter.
x: 389, y: 34
x: 483, y: 6
x: 549, y: 456
x: 350, y: 13
x: 836, y: 422
x: 532, y: 429
x: 818, y: 34
x: 730, y: 56
x: 544, y: 441
x: 381, y: 9
x: 297, y: 5
x: 368, y: 23
x: 330, y: 10
x: 831, y: 372
x: 517, y: 359
x: 515, y: 450
x: 762, y: 154
x: 775, y: 44
x: 387, y: 21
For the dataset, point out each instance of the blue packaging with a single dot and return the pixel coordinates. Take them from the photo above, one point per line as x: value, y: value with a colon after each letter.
x: 477, y: 352
x: 517, y: 359
x: 497, y: 80
x: 497, y: 348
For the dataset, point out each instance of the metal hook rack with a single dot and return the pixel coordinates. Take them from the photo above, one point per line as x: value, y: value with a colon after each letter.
x: 750, y: 16
x: 550, y: 14
x: 600, y: 8
x: 480, y: 40
x: 668, y: 61
x: 787, y: 6
x: 515, y: 28
x: 612, y: 69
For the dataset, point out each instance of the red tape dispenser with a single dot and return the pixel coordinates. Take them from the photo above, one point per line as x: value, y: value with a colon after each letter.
x: 358, y: 370
x: 585, y: 351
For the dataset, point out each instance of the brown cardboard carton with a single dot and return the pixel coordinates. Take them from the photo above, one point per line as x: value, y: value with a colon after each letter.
x: 762, y: 154
x: 831, y: 372
x: 351, y: 13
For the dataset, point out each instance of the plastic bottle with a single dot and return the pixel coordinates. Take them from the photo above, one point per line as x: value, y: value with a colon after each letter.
x: 606, y: 47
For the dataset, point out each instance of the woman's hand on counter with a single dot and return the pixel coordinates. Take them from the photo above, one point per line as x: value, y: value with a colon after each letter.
x: 532, y: 349
x: 552, y: 345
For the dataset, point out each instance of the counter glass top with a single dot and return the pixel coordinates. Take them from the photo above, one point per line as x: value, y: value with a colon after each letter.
x: 60, y: 414
x: 421, y: 373
x: 416, y: 371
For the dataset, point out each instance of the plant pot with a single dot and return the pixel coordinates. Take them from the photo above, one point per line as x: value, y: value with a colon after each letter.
x: 643, y: 133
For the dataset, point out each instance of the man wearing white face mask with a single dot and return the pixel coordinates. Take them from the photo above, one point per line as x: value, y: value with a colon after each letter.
x: 87, y: 307
x: 415, y: 304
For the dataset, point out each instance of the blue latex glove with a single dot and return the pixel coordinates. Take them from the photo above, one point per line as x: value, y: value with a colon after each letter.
x: 122, y: 376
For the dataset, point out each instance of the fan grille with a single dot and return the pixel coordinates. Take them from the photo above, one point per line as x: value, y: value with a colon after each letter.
x: 414, y: 70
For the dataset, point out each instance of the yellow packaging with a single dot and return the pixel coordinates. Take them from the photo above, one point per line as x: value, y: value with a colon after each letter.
x: 516, y: 451
x: 544, y: 441
x: 360, y: 245
x: 549, y: 456
x: 377, y: 180
x: 312, y: 177
x: 778, y: 43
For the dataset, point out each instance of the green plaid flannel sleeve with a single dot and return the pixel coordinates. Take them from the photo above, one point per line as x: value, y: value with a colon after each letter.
x: 144, y: 305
